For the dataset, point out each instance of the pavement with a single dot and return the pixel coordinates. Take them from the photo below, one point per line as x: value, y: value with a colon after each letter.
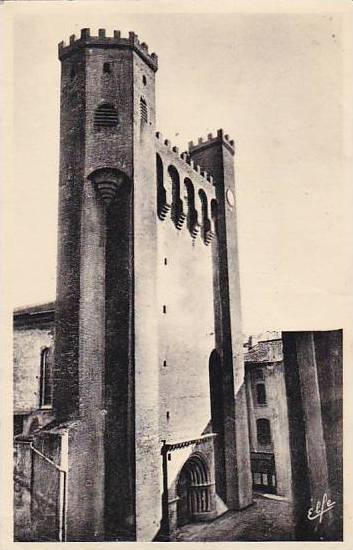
x: 267, y: 519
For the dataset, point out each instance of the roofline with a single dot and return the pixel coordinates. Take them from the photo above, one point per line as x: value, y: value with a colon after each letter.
x: 47, y: 307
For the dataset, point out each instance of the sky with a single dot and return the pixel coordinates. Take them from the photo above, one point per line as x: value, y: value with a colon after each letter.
x: 275, y: 81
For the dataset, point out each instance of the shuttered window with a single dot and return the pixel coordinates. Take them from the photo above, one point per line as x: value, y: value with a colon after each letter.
x: 143, y: 110
x: 105, y: 116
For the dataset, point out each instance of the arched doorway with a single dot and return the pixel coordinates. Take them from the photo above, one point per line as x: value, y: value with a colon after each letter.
x: 194, y: 491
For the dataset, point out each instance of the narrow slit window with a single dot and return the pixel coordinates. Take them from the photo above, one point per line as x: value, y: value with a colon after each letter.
x: 165, y: 261
x: 164, y: 363
x: 106, y: 68
x: 164, y: 309
x: 45, y: 393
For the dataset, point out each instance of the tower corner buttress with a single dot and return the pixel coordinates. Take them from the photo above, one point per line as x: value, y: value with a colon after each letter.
x: 216, y: 156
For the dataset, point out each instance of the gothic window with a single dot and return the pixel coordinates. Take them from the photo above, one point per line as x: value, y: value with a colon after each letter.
x: 261, y: 394
x: 105, y: 116
x: 46, y: 382
x: 143, y: 110
x: 263, y: 431
x: 106, y: 68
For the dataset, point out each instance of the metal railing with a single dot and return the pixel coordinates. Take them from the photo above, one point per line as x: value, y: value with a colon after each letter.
x: 48, y: 488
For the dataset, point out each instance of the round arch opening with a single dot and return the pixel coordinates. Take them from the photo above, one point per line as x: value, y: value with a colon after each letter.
x: 194, y: 491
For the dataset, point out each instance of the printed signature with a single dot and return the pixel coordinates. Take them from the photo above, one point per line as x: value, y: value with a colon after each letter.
x: 322, y: 506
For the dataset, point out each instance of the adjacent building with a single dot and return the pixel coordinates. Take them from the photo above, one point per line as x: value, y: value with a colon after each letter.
x: 268, y: 417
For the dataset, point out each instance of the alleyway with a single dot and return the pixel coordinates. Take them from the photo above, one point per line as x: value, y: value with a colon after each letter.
x: 266, y: 520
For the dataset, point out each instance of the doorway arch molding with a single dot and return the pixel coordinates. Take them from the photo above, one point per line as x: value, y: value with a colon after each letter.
x: 195, y: 491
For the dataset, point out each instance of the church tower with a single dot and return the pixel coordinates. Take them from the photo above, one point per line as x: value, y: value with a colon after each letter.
x: 148, y: 375
x: 106, y: 345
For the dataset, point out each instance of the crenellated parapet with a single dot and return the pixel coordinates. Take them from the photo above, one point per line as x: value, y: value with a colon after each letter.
x: 185, y: 192
x: 185, y: 158
x: 212, y: 140
x: 102, y: 41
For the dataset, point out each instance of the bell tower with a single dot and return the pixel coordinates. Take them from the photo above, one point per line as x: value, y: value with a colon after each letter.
x: 105, y: 353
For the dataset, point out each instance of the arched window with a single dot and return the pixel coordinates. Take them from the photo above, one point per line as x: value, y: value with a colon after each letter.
x: 261, y: 394
x: 163, y: 206
x: 46, y: 379
x: 263, y: 431
x: 143, y: 110
x: 192, y: 212
x: 105, y: 116
x: 178, y: 216
x: 206, y: 224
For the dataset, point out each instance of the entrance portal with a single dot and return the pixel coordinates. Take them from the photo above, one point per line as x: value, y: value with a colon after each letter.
x: 194, y: 491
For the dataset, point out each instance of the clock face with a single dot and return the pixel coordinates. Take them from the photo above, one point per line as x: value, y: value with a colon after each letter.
x: 230, y: 197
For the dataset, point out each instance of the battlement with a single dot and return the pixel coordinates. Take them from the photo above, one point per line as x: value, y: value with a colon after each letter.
x: 211, y: 140
x: 103, y: 41
x: 185, y: 157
